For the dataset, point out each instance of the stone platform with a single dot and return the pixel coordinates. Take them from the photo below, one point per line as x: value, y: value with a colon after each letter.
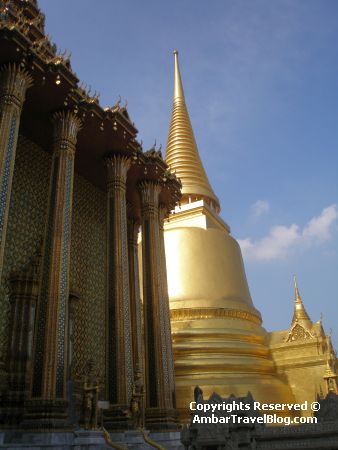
x: 86, y: 440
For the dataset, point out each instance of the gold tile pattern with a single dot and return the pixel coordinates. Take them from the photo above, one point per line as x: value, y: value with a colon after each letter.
x: 26, y: 219
x: 88, y: 276
x: 88, y: 238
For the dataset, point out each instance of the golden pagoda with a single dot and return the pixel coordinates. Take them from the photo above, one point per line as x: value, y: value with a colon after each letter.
x: 304, y: 356
x: 219, y: 343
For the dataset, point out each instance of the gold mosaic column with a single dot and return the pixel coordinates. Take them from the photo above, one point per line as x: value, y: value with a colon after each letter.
x: 160, y: 412
x: 50, y: 355
x: 163, y: 213
x: 134, y: 292
x: 14, y: 82
x: 119, y: 346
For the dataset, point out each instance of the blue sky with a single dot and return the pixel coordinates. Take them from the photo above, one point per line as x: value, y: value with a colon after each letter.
x: 261, y: 85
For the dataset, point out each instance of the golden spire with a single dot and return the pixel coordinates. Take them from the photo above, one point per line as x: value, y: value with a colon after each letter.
x: 297, y: 295
x: 182, y: 154
x: 300, y: 315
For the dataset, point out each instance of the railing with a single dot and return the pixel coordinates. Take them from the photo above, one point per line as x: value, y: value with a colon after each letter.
x: 111, y: 443
x: 122, y: 447
x: 150, y: 441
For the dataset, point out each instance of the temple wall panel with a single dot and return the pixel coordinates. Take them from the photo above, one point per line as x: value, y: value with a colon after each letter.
x: 302, y: 364
x: 88, y: 242
x: 88, y: 276
x: 26, y: 219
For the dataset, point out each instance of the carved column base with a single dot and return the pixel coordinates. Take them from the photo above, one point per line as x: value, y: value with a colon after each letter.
x: 3, y: 392
x: 117, y: 418
x: 46, y: 415
x: 3, y: 376
x: 161, y: 419
x: 12, y: 407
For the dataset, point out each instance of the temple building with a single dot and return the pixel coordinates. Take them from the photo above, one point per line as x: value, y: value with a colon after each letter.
x: 218, y: 339
x: 75, y: 188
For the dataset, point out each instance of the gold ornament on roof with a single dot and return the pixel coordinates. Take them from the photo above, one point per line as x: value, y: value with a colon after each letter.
x: 300, y: 314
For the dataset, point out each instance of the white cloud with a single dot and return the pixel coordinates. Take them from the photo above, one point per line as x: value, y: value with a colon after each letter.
x: 318, y: 229
x: 260, y: 207
x: 283, y: 240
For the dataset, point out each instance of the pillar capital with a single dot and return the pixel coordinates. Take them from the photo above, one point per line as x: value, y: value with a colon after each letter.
x: 66, y: 127
x: 117, y: 169
x: 150, y: 193
x: 14, y: 81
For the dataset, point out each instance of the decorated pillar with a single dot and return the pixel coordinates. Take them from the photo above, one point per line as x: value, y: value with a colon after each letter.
x: 119, y: 378
x: 134, y: 292
x: 160, y: 412
x: 50, y: 355
x: 14, y: 81
x: 163, y: 214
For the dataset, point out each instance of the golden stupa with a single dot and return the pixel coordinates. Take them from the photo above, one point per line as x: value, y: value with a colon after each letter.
x: 218, y: 339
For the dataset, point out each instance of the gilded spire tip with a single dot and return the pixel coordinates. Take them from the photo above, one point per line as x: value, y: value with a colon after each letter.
x: 178, y: 88
x: 182, y: 154
x: 300, y: 314
x: 297, y: 295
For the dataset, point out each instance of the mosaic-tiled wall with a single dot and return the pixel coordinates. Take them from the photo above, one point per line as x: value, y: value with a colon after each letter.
x: 26, y: 219
x: 87, y: 275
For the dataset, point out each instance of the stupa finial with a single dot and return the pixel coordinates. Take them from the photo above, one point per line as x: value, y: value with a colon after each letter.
x: 297, y: 295
x: 178, y: 88
x: 182, y: 153
x: 300, y: 315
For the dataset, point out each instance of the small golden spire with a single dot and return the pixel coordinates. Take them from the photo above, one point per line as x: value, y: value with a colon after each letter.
x: 182, y: 154
x: 297, y: 296
x: 300, y: 315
